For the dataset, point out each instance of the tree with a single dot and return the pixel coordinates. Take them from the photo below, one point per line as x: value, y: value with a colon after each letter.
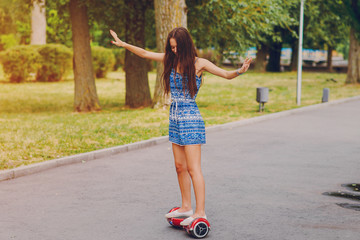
x: 271, y: 42
x: 353, y: 74
x: 324, y: 29
x: 127, y: 18
x: 261, y: 54
x: 86, y: 98
x: 234, y: 26
x: 349, y: 12
x: 283, y: 27
x: 352, y: 7
x: 38, y: 23
x: 275, y: 51
x: 137, y: 84
x: 168, y: 15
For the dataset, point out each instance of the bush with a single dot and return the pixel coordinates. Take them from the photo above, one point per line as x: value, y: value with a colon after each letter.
x: 18, y: 62
x: 119, y: 54
x: 7, y: 41
x: 56, y: 60
x: 103, y: 60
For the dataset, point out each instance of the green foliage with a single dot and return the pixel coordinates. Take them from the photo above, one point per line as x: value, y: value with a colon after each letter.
x: 119, y: 54
x: 15, y: 19
x: 6, y: 25
x: 58, y: 29
x: 150, y: 32
x: 8, y: 41
x: 103, y: 60
x: 101, y: 21
x: 323, y: 26
x: 110, y: 18
x: 349, y: 13
x: 24, y: 30
x: 18, y: 62
x: 56, y: 60
x: 234, y: 25
x: 352, y: 7
x: 344, y: 48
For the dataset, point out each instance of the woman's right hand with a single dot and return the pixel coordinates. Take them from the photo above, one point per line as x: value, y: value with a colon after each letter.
x: 117, y: 41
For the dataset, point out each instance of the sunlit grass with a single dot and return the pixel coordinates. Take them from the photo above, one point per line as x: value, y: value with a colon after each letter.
x: 37, y: 121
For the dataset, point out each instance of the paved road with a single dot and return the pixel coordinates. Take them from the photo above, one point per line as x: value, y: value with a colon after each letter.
x: 263, y: 181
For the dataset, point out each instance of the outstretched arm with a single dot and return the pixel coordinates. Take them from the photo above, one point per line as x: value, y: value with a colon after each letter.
x: 206, y: 65
x: 138, y: 51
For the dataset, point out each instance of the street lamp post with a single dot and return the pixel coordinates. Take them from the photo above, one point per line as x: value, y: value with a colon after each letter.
x: 299, y: 69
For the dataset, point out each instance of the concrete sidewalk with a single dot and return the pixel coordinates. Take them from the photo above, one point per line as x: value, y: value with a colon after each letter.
x: 264, y: 181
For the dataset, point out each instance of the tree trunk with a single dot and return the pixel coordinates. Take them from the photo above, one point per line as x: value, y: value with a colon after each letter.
x: 329, y: 65
x: 38, y: 23
x: 168, y: 15
x: 136, y: 70
x: 353, y: 74
x: 86, y: 98
x: 275, y: 57
x: 294, y: 56
x: 260, y: 62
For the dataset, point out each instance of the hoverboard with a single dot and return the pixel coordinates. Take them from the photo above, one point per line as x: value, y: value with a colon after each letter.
x: 198, y: 228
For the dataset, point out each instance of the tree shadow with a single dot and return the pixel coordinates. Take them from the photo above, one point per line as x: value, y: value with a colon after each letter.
x: 352, y: 195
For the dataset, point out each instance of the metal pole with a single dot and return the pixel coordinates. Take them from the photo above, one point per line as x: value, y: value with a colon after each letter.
x: 299, y: 69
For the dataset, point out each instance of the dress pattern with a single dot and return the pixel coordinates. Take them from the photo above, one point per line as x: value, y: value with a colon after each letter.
x: 186, y: 126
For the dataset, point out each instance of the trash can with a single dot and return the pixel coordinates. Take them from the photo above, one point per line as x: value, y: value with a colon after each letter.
x: 262, y: 96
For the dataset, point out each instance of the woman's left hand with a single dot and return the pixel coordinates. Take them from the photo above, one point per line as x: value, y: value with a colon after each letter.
x: 245, y: 65
x: 117, y: 41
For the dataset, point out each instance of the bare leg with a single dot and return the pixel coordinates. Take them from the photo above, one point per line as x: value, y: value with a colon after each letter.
x: 183, y: 177
x: 193, y: 160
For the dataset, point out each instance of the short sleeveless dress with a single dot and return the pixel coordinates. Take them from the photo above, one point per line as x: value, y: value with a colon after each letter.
x: 186, y: 126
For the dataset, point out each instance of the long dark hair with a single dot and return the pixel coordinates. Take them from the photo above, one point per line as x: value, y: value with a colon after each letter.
x: 184, y: 57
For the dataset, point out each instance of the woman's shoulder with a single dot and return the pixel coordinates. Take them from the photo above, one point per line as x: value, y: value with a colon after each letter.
x: 201, y: 62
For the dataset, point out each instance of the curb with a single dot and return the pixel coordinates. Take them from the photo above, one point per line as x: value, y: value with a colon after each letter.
x: 78, y: 158
x: 42, y: 166
x: 278, y: 114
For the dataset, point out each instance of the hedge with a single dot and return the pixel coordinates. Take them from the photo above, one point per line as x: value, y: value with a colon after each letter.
x: 56, y: 60
x: 103, y: 60
x: 19, y: 62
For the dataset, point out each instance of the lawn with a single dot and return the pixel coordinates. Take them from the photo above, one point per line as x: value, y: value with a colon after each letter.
x: 38, y: 122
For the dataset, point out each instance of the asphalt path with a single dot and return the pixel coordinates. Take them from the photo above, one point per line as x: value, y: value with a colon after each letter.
x: 263, y: 181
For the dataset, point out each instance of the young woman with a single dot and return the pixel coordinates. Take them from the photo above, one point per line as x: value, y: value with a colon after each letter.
x: 182, y: 78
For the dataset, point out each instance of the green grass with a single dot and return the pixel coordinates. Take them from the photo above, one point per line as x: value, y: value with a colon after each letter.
x: 37, y: 121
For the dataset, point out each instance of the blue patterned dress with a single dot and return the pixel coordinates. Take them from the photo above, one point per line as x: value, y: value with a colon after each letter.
x: 186, y: 126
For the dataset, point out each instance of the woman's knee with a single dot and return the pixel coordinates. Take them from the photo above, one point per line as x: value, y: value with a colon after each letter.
x: 180, y: 167
x: 194, y: 171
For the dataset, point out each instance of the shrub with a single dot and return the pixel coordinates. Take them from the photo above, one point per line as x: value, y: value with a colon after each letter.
x: 18, y: 62
x: 119, y: 54
x: 7, y: 41
x: 56, y: 60
x: 103, y: 60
